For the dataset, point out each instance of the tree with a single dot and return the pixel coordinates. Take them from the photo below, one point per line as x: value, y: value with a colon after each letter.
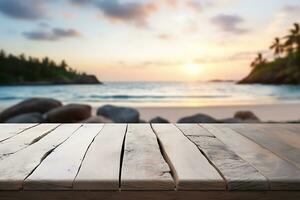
x: 277, y: 47
x: 293, y: 39
x: 63, y: 65
x: 259, y: 60
x: 2, y: 54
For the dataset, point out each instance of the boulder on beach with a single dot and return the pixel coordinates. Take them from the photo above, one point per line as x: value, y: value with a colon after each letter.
x: 119, y: 114
x: 26, y: 118
x: 69, y: 113
x: 246, y: 116
x: 97, y: 119
x: 198, y: 118
x: 159, y: 120
x: 38, y: 105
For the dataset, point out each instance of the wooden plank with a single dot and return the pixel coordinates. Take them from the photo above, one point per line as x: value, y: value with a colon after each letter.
x: 281, y: 174
x: 190, y: 168
x: 143, y: 166
x: 295, y: 128
x: 272, y: 141
x: 25, y: 139
x: 59, y: 169
x: 150, y: 195
x: 15, y: 168
x: 100, y: 168
x: 194, y: 130
x: 282, y: 133
x: 239, y: 174
x: 9, y: 130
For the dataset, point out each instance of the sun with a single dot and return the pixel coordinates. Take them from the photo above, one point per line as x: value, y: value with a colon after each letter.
x: 192, y: 68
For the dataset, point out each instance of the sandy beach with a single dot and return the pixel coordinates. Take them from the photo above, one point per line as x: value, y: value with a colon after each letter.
x: 273, y: 112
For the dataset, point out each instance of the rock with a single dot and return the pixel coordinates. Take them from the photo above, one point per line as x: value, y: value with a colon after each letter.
x: 26, y: 118
x: 69, y: 113
x: 97, y: 119
x: 39, y: 105
x: 87, y: 79
x: 119, y: 114
x: 159, y: 120
x: 198, y: 118
x: 246, y: 116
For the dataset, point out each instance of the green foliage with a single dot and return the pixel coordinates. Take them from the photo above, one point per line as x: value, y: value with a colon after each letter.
x: 284, y: 68
x: 19, y: 69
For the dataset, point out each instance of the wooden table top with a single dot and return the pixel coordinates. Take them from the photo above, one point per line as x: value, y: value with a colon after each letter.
x: 150, y: 161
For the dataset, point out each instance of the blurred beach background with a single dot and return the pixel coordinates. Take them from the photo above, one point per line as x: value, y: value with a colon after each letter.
x: 162, y: 58
x: 172, y: 100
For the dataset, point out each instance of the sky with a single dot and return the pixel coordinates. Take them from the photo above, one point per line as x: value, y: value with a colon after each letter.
x: 147, y: 40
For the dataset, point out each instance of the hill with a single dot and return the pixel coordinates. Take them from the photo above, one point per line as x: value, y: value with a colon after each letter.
x: 19, y: 70
x: 284, y: 68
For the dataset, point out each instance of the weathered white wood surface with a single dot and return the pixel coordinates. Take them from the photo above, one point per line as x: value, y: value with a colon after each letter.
x: 239, y: 174
x: 59, y: 169
x: 281, y: 174
x: 191, y: 170
x: 10, y: 130
x: 25, y: 139
x: 75, y: 161
x: 100, y: 168
x: 143, y: 166
x: 272, y: 141
x: 16, y: 167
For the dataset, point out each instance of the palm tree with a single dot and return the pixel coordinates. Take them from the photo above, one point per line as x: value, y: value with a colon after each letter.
x: 277, y: 46
x: 259, y: 60
x: 293, y: 39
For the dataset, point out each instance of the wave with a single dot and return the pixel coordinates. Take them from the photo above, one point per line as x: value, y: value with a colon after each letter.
x: 154, y: 96
x: 10, y: 98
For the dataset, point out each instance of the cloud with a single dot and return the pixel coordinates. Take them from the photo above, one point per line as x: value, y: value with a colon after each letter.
x: 54, y: 34
x: 291, y: 8
x: 126, y: 12
x: 172, y: 3
x: 81, y: 2
x: 148, y: 63
x: 23, y: 9
x: 239, y: 56
x: 229, y: 23
x: 136, y: 13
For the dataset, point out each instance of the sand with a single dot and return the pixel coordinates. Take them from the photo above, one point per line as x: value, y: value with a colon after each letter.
x: 273, y: 112
x: 278, y: 112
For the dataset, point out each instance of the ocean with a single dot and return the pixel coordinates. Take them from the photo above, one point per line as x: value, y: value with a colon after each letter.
x: 156, y: 94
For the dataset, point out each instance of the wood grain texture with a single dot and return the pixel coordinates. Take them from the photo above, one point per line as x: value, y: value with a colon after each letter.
x: 283, y: 144
x: 281, y: 174
x: 194, y: 130
x: 143, y: 166
x: 59, y: 169
x: 10, y: 130
x: 150, y: 195
x: 100, y: 168
x: 239, y: 174
x: 24, y: 139
x: 15, y: 168
x: 190, y: 168
x: 282, y: 133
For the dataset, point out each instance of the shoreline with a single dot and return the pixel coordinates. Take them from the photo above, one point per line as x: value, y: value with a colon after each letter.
x: 266, y: 112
